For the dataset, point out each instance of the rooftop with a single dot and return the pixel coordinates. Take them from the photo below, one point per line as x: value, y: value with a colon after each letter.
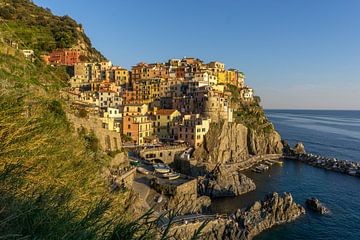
x: 165, y: 111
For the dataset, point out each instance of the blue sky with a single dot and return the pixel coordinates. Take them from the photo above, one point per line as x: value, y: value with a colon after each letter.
x: 296, y: 54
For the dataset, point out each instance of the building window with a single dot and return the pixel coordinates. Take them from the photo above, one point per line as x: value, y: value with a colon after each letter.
x: 129, y: 126
x: 161, y: 154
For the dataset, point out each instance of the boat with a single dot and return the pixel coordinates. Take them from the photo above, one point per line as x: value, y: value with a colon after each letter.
x: 262, y: 167
x: 279, y: 162
x: 171, y: 176
x: 159, y: 168
x: 134, y: 162
x: 256, y: 170
x: 142, y: 170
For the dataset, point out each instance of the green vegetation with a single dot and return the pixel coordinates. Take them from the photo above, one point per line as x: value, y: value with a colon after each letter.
x: 51, y: 179
x: 39, y: 30
x: 252, y: 115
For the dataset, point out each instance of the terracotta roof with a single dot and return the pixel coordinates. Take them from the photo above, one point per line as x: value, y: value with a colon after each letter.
x: 165, y: 111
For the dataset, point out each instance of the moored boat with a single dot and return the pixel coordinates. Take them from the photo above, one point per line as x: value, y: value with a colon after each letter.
x: 159, y: 168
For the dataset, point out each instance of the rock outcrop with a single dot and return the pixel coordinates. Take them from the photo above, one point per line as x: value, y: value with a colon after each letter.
x: 245, y: 224
x: 315, y: 205
x: 272, y: 211
x: 299, y: 148
x: 225, y: 182
x: 233, y: 143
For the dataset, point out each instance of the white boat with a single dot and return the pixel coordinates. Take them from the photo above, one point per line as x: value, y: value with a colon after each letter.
x: 171, y: 176
x: 159, y: 168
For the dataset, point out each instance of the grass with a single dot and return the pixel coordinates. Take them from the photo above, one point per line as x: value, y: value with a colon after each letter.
x: 51, y: 183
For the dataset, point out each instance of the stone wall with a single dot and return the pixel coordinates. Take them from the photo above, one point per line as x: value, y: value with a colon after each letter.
x: 127, y: 178
x: 108, y: 140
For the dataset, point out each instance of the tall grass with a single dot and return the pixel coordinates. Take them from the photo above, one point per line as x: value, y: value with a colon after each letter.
x: 51, y: 184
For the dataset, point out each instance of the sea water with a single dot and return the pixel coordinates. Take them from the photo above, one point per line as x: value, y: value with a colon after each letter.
x: 327, y: 133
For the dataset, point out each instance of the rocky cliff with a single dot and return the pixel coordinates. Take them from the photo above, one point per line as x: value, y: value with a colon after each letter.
x: 224, y: 181
x: 245, y: 224
x: 235, y: 143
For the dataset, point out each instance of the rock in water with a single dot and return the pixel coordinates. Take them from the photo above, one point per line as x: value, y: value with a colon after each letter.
x: 272, y: 211
x: 315, y: 205
x: 299, y: 148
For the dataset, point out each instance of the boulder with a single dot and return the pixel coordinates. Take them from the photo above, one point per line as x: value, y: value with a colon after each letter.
x: 315, y: 205
x: 225, y: 182
x: 299, y: 148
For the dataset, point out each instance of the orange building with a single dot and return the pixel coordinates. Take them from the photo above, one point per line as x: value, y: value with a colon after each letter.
x: 138, y: 128
x: 64, y: 56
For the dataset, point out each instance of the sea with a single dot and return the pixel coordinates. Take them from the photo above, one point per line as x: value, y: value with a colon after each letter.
x: 328, y: 133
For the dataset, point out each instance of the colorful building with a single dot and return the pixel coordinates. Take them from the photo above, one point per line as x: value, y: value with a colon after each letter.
x: 65, y: 56
x: 135, y: 109
x: 193, y: 129
x: 137, y: 128
x: 165, y: 123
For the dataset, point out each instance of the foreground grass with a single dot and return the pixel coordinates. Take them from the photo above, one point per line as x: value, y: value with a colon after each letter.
x: 51, y: 184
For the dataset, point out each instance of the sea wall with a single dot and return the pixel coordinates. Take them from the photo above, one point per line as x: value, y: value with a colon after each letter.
x: 343, y: 166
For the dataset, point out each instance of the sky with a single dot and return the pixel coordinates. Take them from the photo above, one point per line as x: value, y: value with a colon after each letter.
x: 301, y: 54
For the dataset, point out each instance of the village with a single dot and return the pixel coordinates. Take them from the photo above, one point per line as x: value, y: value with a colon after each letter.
x: 150, y: 117
x: 156, y: 103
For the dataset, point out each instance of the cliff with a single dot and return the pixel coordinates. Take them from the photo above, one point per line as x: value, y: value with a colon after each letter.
x: 224, y: 181
x: 227, y: 143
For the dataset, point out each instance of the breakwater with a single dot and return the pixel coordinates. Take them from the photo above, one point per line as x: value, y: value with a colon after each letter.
x: 343, y: 166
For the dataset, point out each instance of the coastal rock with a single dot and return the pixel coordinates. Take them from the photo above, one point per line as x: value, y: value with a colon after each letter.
x: 225, y: 182
x: 299, y: 148
x: 245, y: 224
x: 235, y: 143
x: 315, y: 205
x: 272, y: 211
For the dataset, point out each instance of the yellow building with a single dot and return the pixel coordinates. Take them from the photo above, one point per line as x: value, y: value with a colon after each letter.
x: 165, y: 123
x: 119, y: 75
x: 135, y: 109
x: 222, y: 77
x: 231, y: 77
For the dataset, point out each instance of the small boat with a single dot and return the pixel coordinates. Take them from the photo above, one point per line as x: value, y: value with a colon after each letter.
x: 171, y: 176
x: 256, y: 170
x: 142, y: 170
x: 159, y: 168
x: 262, y: 167
x: 279, y: 162
x: 134, y: 162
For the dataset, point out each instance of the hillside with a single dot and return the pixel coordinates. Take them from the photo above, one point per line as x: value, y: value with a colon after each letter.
x: 38, y: 29
x: 52, y: 184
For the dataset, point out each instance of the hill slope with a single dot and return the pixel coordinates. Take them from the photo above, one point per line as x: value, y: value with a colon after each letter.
x: 51, y: 183
x: 38, y: 29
